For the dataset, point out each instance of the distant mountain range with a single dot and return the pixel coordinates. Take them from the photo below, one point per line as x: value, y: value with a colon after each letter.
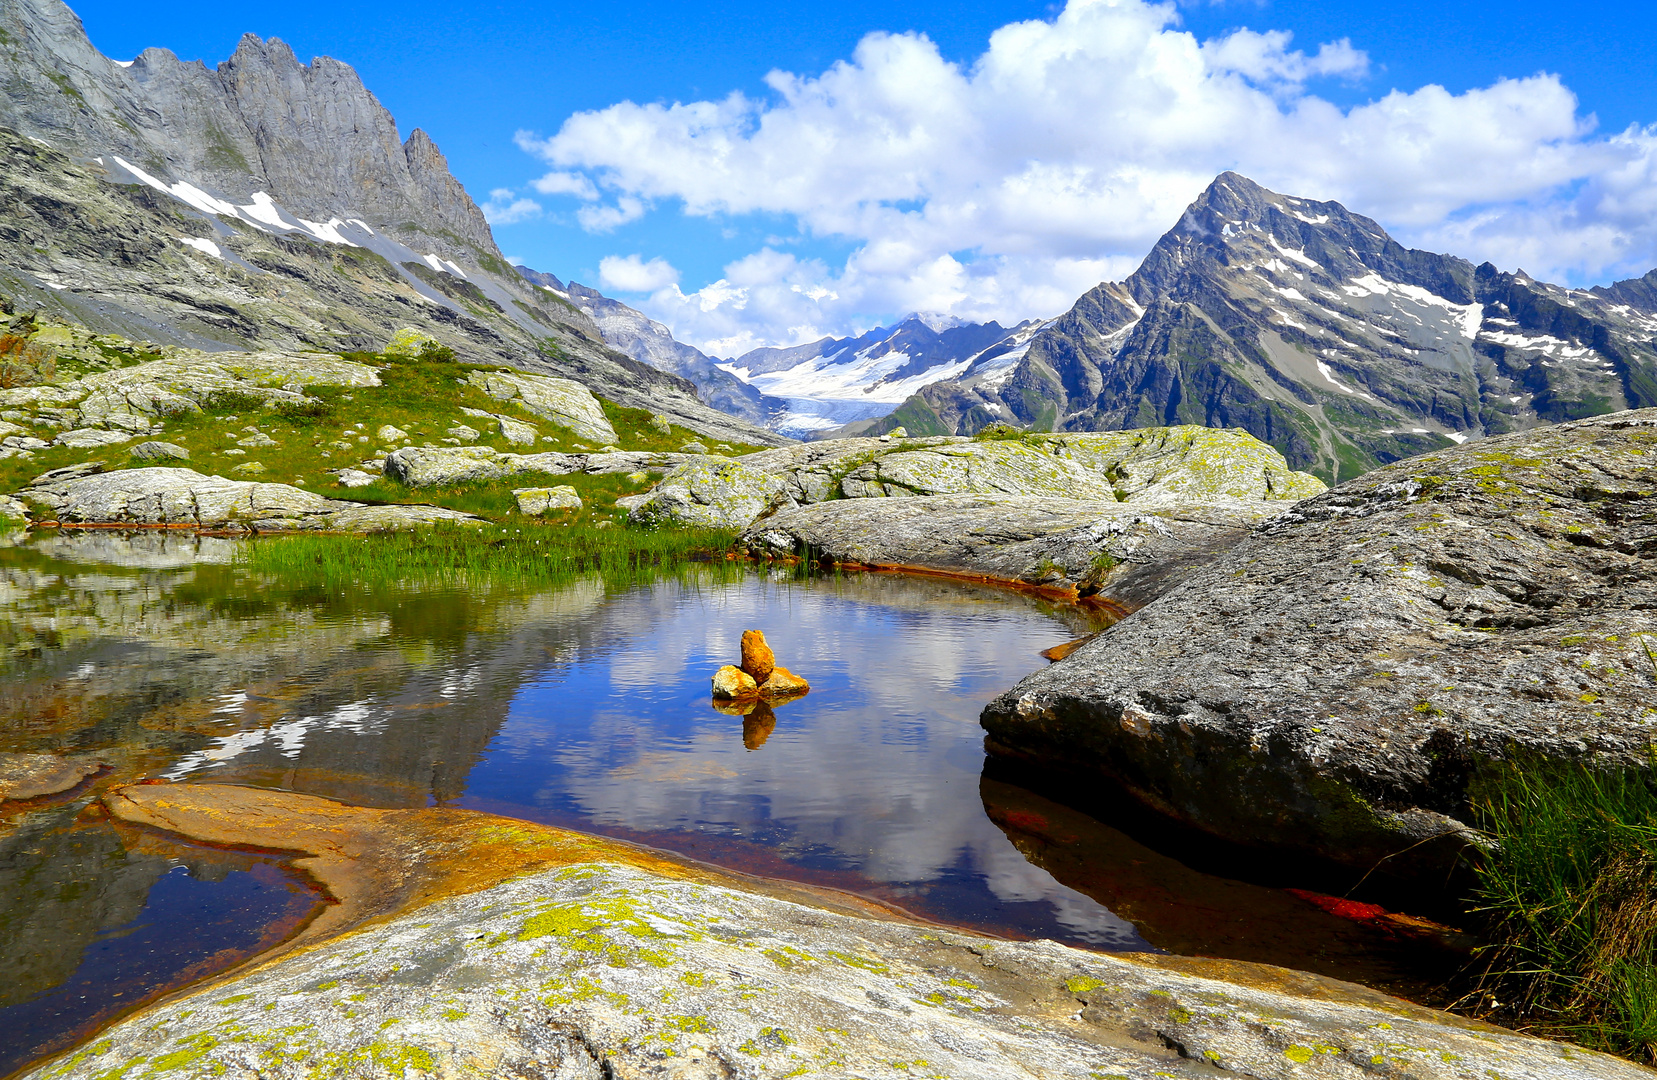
x: 264, y: 203
x: 1310, y: 327
x: 269, y: 203
x: 835, y: 382
x: 1298, y: 321
x: 830, y: 386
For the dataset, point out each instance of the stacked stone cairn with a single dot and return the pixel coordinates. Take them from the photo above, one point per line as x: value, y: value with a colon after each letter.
x: 749, y: 691
x: 759, y: 677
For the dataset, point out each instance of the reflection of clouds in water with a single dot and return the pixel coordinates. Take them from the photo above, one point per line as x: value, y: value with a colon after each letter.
x: 876, y: 770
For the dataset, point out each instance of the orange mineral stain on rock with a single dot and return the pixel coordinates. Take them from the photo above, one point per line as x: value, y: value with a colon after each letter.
x: 783, y: 683
x: 757, y: 658
x: 376, y: 863
x: 731, y: 683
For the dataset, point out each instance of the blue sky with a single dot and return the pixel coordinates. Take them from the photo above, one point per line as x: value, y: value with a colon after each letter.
x: 785, y: 214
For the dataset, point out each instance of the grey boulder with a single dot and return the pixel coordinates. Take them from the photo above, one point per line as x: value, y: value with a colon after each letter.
x: 159, y: 451
x: 163, y: 496
x: 709, y: 493
x: 440, y: 466
x: 562, y: 401
x: 1340, y: 682
x: 603, y: 970
x: 1123, y: 552
x: 1179, y: 466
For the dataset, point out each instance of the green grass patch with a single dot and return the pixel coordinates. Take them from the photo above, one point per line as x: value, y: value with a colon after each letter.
x: 530, y: 554
x: 337, y: 427
x: 1569, y: 890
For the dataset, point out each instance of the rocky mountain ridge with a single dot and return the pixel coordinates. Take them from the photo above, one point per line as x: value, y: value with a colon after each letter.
x: 1314, y: 330
x: 649, y: 342
x: 265, y: 204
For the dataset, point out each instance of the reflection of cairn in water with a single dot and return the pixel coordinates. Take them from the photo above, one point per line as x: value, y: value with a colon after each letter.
x: 758, y: 725
x: 748, y: 691
x: 758, y: 721
x: 759, y: 676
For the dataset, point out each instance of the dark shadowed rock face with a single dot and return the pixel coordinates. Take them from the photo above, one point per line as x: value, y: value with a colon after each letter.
x: 1338, y: 682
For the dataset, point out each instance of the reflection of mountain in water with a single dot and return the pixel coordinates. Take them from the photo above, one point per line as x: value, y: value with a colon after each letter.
x: 63, y: 887
x: 121, y: 645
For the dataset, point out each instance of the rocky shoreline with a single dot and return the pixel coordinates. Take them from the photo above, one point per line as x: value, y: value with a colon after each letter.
x: 518, y: 950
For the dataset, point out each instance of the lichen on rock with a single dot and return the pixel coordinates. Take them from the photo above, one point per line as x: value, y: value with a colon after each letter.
x: 170, y: 496
x: 548, y: 954
x: 1338, y: 682
x: 561, y: 401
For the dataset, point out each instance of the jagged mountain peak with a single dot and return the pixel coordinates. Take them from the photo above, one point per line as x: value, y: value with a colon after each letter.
x: 1313, y: 329
x: 310, y: 136
x: 935, y: 321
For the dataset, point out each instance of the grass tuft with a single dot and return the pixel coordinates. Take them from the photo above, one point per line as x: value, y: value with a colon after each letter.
x: 1569, y: 889
x: 522, y: 554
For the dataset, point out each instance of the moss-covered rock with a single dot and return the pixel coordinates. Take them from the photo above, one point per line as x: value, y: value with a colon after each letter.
x: 1185, y: 463
x: 562, y: 401
x: 708, y: 492
x: 411, y: 343
x: 165, y: 496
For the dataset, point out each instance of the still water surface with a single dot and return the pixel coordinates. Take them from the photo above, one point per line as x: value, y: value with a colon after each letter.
x: 579, y: 706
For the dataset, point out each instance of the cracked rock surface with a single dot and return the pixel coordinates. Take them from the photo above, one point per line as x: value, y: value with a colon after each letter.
x: 1340, y: 682
x: 1181, y: 465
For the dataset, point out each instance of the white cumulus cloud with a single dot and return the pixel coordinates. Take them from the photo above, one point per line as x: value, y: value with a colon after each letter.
x: 1006, y: 186
x: 503, y: 208
x: 633, y: 274
x: 598, y: 217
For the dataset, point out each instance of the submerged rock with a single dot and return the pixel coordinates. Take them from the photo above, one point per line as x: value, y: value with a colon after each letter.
x: 163, y: 496
x: 530, y: 952
x: 1339, y: 682
x: 30, y: 776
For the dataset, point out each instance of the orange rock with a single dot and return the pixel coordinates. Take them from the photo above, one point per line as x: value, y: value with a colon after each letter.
x: 732, y: 682
x: 783, y: 683
x: 757, y: 658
